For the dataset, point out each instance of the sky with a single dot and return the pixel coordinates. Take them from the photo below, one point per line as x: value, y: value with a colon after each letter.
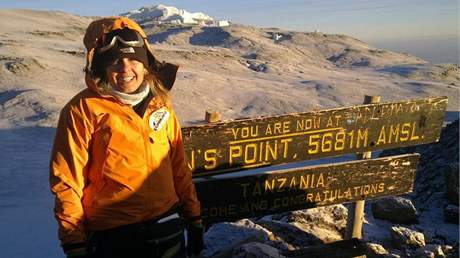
x: 398, y: 24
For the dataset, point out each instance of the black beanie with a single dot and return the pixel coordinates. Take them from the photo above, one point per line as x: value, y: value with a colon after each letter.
x: 120, y: 50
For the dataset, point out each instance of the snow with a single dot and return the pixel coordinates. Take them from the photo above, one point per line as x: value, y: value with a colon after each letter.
x: 163, y: 13
x: 41, y: 58
x: 28, y: 227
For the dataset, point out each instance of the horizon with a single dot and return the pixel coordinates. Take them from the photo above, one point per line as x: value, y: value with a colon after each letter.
x: 427, y: 28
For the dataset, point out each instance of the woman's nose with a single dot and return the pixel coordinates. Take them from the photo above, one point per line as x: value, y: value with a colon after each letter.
x: 123, y: 64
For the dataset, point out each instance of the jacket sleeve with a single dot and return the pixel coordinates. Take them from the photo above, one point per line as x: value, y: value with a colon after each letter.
x: 68, y: 170
x: 183, y: 183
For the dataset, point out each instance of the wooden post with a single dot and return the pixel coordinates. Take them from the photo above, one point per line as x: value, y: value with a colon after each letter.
x: 356, y: 210
x: 212, y: 116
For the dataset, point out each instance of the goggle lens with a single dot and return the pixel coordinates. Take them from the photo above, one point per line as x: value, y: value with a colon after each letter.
x: 124, y: 36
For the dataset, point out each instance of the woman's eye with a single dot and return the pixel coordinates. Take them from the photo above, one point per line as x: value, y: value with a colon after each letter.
x: 115, y: 63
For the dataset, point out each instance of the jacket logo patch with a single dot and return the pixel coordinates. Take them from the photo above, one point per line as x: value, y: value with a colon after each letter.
x: 158, y: 119
x: 127, y: 50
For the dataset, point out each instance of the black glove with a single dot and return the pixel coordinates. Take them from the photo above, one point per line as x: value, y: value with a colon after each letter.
x: 195, y: 232
x: 78, y: 250
x: 78, y: 254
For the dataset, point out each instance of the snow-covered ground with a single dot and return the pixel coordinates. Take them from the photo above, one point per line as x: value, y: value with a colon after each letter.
x: 27, y: 224
x: 239, y: 71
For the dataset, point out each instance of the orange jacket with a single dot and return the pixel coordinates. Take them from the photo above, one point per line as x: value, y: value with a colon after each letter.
x: 110, y: 168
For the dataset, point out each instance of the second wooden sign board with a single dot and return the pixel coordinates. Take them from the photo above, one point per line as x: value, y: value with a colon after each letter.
x: 302, y: 188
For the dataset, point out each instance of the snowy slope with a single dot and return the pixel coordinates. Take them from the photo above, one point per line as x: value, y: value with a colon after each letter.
x: 165, y: 14
x: 240, y: 71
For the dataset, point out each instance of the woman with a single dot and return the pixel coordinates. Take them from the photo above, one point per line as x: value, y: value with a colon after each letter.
x: 118, y: 168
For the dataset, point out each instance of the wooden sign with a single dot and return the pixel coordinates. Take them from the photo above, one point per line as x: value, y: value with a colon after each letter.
x: 308, y: 187
x: 242, y: 144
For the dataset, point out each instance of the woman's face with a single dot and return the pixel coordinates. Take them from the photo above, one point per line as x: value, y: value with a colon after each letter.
x: 125, y: 75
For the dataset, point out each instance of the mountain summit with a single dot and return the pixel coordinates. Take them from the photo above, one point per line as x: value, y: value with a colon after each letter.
x: 168, y: 14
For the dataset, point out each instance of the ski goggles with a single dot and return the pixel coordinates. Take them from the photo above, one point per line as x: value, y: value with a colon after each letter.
x: 126, y: 37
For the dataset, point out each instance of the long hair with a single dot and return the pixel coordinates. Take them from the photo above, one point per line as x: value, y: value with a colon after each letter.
x: 161, y: 96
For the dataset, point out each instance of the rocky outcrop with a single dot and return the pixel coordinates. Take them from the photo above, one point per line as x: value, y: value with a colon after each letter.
x: 282, y: 232
x: 223, y: 238
x: 325, y: 223
x: 292, y: 236
x: 375, y: 250
x: 436, y: 186
x: 403, y: 238
x: 453, y: 253
x: 431, y: 251
x: 395, y: 209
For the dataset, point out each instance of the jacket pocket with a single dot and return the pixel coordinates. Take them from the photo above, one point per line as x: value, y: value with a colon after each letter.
x: 93, y: 194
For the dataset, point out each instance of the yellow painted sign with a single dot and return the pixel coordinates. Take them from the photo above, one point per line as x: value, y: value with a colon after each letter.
x: 307, y: 187
x: 242, y: 144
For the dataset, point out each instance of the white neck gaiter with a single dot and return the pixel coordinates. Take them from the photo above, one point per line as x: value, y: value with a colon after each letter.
x: 131, y: 98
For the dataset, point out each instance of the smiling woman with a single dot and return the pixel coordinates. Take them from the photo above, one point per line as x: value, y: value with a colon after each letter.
x: 118, y: 168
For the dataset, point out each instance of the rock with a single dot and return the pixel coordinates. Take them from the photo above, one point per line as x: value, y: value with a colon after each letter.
x: 403, y: 238
x: 454, y: 252
x: 23, y: 65
x: 324, y: 223
x: 256, y: 66
x: 451, y: 174
x: 256, y: 250
x: 375, y: 250
x: 446, y: 249
x: 436, y: 250
x: 432, y: 251
x: 451, y: 214
x: 422, y: 253
x: 378, y: 251
x: 435, y: 186
x: 290, y: 234
x: 224, y: 237
x: 395, y: 209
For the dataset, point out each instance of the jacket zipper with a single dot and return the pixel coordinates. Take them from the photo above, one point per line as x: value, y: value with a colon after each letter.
x: 147, y: 143
x: 144, y: 132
